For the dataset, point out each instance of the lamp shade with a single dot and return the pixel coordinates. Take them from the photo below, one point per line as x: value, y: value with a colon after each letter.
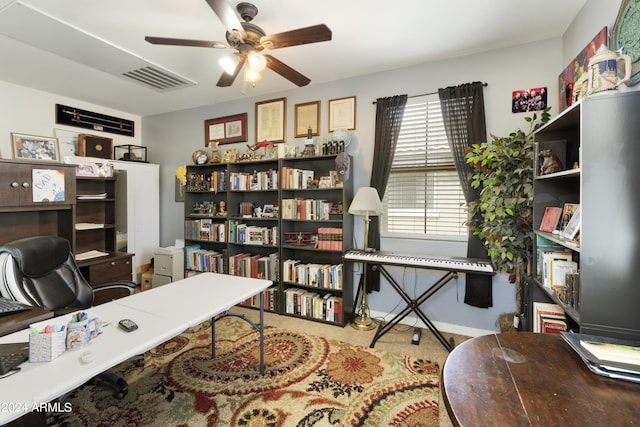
x: 366, y: 202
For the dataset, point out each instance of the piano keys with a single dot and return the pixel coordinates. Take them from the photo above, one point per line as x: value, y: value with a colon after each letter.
x: 457, y: 264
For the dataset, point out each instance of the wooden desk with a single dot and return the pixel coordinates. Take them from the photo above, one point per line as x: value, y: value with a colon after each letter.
x: 527, y: 379
x: 14, y: 322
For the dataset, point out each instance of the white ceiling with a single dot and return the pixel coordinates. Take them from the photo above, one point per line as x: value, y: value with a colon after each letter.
x: 368, y: 36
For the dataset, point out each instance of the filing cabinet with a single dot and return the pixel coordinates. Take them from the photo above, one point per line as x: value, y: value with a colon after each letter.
x: 167, y: 268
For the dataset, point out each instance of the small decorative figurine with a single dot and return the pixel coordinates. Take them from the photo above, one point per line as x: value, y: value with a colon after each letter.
x: 550, y: 162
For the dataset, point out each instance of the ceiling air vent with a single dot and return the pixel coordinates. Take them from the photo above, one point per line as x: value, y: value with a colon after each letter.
x: 157, y: 78
x: 64, y: 39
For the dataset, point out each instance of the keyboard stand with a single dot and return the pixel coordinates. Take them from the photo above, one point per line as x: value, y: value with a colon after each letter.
x: 413, y: 305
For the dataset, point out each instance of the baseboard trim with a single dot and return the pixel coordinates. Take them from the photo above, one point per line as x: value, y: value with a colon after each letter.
x: 451, y: 328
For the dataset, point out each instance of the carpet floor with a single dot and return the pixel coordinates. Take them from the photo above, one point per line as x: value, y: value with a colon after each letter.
x: 316, y: 375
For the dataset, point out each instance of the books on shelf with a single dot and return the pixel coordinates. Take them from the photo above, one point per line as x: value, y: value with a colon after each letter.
x: 550, y: 219
x: 205, y: 229
x: 546, y: 260
x: 548, y: 318
x: 327, y: 276
x: 330, y: 238
x: 311, y: 304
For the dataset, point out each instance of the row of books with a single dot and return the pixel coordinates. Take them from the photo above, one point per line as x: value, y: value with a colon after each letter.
x: 294, y: 178
x: 252, y: 235
x: 325, y: 276
x: 256, y: 181
x: 270, y: 300
x: 205, y: 229
x: 215, y: 181
x: 308, y: 209
x: 313, y: 305
x: 255, y: 265
x: 198, y: 259
x: 553, y: 265
x: 548, y: 318
x: 330, y: 238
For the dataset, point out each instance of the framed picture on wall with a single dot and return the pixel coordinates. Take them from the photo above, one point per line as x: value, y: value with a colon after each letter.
x: 271, y: 120
x: 307, y: 115
x: 342, y: 113
x: 34, y: 147
x: 226, y: 130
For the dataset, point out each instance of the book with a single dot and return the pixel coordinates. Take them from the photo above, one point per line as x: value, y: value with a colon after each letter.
x: 611, y: 352
x: 550, y: 219
x: 547, y: 310
x: 559, y: 270
x: 547, y: 260
x: 552, y: 325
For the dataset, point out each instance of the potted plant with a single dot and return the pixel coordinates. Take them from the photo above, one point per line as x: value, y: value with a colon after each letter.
x: 502, y: 216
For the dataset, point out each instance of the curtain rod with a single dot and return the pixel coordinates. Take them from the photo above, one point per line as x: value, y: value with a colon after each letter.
x: 431, y: 93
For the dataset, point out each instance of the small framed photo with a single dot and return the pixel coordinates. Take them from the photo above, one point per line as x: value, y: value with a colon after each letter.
x: 226, y: 130
x: 342, y: 113
x: 573, y: 227
x: 307, y: 116
x: 34, y: 147
x: 271, y: 120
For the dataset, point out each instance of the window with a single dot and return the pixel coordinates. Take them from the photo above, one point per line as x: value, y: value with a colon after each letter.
x: 423, y: 198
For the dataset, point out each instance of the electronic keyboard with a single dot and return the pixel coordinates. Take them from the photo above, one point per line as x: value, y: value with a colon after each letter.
x: 458, y: 264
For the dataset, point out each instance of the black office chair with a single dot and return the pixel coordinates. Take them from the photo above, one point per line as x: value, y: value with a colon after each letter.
x: 41, y: 271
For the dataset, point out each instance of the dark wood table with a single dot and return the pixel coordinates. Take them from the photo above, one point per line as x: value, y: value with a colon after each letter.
x: 527, y: 379
x: 10, y: 323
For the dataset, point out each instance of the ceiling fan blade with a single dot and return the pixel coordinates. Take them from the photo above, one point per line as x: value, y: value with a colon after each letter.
x: 285, y: 71
x: 185, y: 42
x: 313, y: 34
x: 227, y: 15
x: 227, y: 80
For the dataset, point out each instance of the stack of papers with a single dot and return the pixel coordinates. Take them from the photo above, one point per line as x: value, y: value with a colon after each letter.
x: 92, y: 196
x: 88, y: 226
x: 90, y: 254
x: 606, y: 356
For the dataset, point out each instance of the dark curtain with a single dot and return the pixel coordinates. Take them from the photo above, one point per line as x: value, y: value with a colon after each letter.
x: 389, y: 113
x: 464, y: 121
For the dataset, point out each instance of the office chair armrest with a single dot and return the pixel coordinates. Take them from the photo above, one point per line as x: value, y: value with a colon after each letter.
x: 109, y: 291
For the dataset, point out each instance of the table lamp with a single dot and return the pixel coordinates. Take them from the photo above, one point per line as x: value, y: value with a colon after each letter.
x: 367, y: 203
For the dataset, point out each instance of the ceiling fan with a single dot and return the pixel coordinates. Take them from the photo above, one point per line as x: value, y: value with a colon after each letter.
x: 249, y: 41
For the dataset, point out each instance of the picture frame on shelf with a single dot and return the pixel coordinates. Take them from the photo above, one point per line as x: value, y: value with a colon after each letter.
x: 271, y: 120
x: 33, y: 147
x: 307, y: 115
x: 226, y: 130
x: 342, y: 113
x: 573, y: 227
x: 230, y: 155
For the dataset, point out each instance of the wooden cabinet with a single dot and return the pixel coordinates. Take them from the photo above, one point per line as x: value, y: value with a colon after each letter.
x: 599, y: 136
x: 253, y: 237
x: 95, y: 230
x: 36, y: 198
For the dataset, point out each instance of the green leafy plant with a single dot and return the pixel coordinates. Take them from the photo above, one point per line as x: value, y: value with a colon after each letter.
x: 502, y: 217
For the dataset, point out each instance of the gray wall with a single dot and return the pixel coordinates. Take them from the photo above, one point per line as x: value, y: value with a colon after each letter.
x: 173, y: 137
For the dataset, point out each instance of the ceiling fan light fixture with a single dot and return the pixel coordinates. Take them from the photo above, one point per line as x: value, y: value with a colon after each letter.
x: 251, y: 76
x: 228, y: 64
x: 256, y: 61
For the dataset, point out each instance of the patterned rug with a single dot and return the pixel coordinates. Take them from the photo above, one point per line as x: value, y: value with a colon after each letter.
x: 308, y: 381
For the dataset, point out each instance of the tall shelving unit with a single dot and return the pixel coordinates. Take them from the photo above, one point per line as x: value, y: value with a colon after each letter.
x: 600, y: 136
x: 95, y: 229
x: 252, y: 240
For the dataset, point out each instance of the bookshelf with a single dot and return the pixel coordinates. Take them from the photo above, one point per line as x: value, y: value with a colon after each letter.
x: 596, y: 140
x: 261, y: 234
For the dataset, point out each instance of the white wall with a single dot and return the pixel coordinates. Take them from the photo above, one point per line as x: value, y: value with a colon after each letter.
x: 33, y: 112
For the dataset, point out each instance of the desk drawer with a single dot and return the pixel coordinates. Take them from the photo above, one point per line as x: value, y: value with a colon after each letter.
x: 109, y: 271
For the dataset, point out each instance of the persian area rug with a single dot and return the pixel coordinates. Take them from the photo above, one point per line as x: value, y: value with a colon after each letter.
x: 308, y: 381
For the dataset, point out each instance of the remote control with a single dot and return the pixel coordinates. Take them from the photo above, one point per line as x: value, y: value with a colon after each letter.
x: 128, y: 325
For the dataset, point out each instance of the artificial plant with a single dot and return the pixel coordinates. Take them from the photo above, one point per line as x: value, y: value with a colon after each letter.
x: 502, y: 216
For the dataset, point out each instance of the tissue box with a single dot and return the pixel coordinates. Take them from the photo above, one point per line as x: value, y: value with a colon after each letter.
x: 46, y: 347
